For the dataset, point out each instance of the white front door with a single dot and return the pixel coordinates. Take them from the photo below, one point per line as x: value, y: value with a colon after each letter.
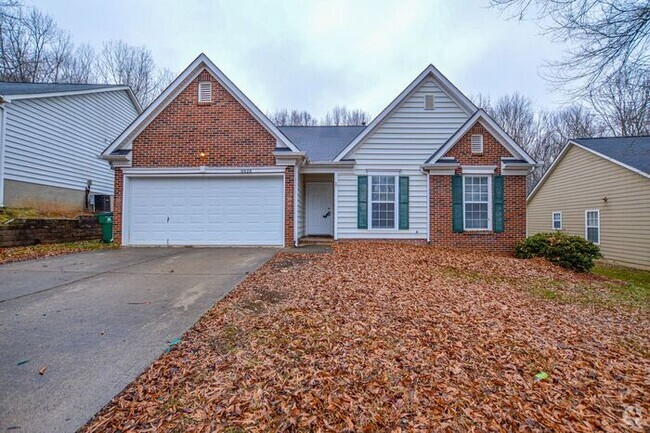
x: 320, y: 212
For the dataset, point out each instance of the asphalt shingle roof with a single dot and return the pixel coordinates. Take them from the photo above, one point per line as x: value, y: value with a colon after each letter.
x: 632, y: 151
x: 13, y: 89
x: 321, y: 143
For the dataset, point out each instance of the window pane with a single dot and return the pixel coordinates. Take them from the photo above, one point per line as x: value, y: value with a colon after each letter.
x: 476, y: 195
x: 476, y: 215
x: 592, y: 234
x: 383, y: 215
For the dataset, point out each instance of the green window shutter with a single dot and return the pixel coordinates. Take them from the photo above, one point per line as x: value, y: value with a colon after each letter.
x: 497, y: 204
x: 403, y: 202
x: 362, y: 202
x: 457, y: 203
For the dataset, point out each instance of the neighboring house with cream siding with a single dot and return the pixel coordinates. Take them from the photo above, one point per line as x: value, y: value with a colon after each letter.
x: 599, y: 188
x: 202, y: 165
x: 51, y: 136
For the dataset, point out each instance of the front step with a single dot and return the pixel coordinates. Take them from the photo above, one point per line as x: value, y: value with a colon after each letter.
x: 315, y: 240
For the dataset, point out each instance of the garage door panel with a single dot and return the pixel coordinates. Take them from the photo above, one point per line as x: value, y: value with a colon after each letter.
x: 205, y: 211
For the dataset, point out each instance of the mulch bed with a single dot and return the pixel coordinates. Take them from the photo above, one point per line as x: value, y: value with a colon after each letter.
x: 387, y: 337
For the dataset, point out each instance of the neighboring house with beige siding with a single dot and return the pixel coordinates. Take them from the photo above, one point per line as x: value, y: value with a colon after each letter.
x: 599, y: 188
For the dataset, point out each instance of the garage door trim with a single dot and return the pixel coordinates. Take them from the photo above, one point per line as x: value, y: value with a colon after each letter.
x: 197, y: 172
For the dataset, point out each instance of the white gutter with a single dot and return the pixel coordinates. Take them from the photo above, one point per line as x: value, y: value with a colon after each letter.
x: 3, y: 121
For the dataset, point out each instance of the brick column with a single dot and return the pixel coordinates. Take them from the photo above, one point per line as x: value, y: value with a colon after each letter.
x: 288, y: 206
x: 117, y: 206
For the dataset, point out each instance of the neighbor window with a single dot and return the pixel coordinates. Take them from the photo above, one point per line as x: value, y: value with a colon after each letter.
x: 429, y: 102
x: 477, y: 202
x: 383, y: 197
x: 592, y: 225
x: 477, y: 143
x: 205, y: 92
x: 557, y: 220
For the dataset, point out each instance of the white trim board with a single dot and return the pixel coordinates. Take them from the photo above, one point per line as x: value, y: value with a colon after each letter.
x: 561, y: 155
x: 430, y: 71
x: 201, y: 63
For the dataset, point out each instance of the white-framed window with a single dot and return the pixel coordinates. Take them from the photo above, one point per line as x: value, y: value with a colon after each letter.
x: 557, y: 220
x: 592, y: 225
x: 429, y: 101
x: 477, y: 202
x: 205, y: 92
x: 477, y: 143
x: 383, y: 202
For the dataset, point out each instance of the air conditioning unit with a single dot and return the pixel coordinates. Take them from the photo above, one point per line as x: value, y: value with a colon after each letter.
x: 102, y: 203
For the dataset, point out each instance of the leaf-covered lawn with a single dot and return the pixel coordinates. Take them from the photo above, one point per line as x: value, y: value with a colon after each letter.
x: 15, y: 254
x: 389, y: 337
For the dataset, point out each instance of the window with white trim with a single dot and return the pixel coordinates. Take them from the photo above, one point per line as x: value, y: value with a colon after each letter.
x: 477, y: 143
x: 205, y: 92
x: 557, y: 220
x: 383, y: 202
x: 429, y: 101
x: 592, y: 225
x: 477, y: 202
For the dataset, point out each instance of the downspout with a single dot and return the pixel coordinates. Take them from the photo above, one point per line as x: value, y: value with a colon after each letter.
x: 3, y: 121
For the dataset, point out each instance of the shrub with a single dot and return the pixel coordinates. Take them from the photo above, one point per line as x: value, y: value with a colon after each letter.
x: 572, y: 252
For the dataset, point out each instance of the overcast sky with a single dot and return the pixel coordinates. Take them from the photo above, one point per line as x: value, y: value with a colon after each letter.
x: 314, y: 55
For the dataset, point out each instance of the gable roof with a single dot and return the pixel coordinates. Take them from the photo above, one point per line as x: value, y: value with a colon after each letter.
x: 202, y: 62
x: 488, y: 123
x: 442, y: 82
x: 321, y: 143
x: 632, y: 153
x: 12, y: 91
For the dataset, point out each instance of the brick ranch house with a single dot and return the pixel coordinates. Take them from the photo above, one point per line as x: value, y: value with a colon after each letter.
x: 202, y: 165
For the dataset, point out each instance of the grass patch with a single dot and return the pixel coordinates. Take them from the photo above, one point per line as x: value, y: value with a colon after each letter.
x: 16, y: 254
x: 636, y: 287
x: 624, y: 287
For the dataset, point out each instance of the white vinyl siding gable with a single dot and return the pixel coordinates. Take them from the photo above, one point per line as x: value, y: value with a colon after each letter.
x: 57, y: 141
x: 399, y: 146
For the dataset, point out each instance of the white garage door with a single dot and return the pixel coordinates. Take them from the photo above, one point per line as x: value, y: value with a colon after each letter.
x: 205, y: 211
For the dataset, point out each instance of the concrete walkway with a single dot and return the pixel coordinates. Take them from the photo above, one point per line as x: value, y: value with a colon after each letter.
x: 96, y: 320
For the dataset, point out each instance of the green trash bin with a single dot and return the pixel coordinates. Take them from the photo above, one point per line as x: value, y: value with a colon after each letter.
x: 106, y: 220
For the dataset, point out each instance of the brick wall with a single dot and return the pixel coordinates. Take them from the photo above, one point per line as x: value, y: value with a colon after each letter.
x: 514, y: 200
x: 49, y: 231
x: 223, y: 131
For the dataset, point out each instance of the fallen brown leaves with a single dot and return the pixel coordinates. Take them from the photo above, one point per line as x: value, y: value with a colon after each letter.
x: 16, y: 254
x: 386, y: 337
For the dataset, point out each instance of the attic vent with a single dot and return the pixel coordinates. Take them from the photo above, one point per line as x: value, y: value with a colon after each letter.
x: 477, y: 143
x: 205, y: 92
x: 429, y: 102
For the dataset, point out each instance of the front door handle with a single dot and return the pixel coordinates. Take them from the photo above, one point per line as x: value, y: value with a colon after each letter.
x: 327, y: 214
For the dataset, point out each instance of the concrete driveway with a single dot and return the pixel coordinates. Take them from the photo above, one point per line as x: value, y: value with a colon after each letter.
x: 96, y: 320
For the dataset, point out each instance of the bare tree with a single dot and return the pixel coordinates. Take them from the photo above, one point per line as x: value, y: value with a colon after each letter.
x: 609, y: 35
x: 80, y: 68
x: 516, y: 116
x: 32, y: 47
x: 555, y: 129
x: 121, y: 63
x: 341, y: 116
x: 285, y: 117
x: 623, y: 103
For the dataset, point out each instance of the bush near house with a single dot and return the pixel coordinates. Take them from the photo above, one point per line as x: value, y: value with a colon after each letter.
x: 572, y: 252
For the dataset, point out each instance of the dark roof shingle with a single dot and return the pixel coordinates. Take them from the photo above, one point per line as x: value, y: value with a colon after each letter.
x: 13, y: 89
x: 321, y: 143
x: 631, y: 151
